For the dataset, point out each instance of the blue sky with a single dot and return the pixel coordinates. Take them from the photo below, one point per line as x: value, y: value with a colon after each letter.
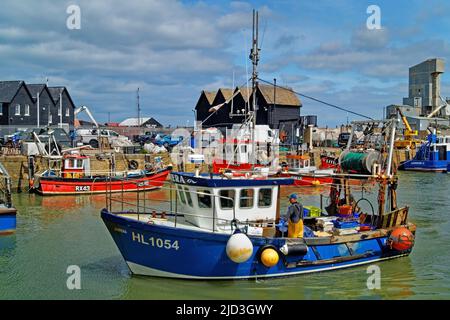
x: 174, y: 49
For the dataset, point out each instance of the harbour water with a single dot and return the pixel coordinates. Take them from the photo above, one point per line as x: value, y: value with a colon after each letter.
x: 56, y: 232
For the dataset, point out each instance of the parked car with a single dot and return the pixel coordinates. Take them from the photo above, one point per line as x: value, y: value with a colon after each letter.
x: 167, y: 141
x: 91, y: 136
x: 148, y: 137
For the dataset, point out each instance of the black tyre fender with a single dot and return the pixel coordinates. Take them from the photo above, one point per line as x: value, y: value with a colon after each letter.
x: 133, y: 165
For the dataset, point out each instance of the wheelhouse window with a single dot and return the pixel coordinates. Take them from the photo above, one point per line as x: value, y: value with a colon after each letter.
x: 227, y: 203
x: 17, y: 110
x: 246, y: 198
x: 204, y: 199
x: 181, y: 195
x: 188, y: 196
x: 264, y: 198
x: 27, y: 110
x: 74, y: 164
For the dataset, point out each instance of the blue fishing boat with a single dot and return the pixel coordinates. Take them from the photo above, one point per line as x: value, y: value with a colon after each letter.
x: 229, y: 229
x: 433, y: 155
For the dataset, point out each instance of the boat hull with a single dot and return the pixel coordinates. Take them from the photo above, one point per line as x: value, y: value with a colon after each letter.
x: 165, y: 251
x: 7, y: 220
x: 424, y: 165
x: 312, y: 181
x: 63, y: 186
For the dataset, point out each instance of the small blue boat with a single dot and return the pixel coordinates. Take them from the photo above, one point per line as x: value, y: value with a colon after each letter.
x: 194, y: 243
x: 7, y: 220
x: 7, y: 211
x: 434, y: 155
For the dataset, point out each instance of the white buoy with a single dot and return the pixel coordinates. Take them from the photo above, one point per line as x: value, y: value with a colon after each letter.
x: 239, y: 248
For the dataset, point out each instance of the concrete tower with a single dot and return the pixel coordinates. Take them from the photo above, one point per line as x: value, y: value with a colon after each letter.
x: 425, y: 85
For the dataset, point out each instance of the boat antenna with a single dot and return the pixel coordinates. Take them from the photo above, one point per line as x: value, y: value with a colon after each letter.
x: 138, y: 108
x: 254, y: 56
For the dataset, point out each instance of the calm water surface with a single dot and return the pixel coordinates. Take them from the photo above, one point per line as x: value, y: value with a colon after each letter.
x: 53, y: 233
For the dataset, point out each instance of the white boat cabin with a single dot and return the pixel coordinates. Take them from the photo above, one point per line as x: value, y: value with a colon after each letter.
x: 211, y: 203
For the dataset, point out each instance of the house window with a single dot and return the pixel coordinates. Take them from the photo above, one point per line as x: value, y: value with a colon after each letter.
x: 59, y: 111
x: 50, y: 118
x: 67, y: 112
x: 27, y: 110
x: 265, y: 198
x: 17, y: 111
x: 246, y: 198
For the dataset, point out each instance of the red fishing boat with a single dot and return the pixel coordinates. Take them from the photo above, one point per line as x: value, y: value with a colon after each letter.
x: 298, y: 167
x: 328, y: 162
x: 75, y: 177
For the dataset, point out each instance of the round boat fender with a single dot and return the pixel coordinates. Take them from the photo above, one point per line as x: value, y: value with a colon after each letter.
x: 239, y: 247
x: 133, y: 165
x: 268, y: 255
x: 400, y: 239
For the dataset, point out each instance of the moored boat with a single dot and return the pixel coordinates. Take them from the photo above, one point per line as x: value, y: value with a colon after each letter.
x: 299, y: 168
x: 7, y: 211
x: 432, y: 156
x: 75, y: 177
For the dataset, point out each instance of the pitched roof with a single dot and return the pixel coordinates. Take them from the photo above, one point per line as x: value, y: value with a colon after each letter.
x: 8, y: 90
x: 210, y: 95
x: 133, y: 122
x: 227, y: 93
x: 283, y: 95
x: 35, y: 88
x: 245, y: 93
x: 55, y: 91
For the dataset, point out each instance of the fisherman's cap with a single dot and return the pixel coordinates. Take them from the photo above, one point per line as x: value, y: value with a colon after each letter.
x: 293, y: 196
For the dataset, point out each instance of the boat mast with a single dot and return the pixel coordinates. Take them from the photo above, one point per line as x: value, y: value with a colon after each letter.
x: 254, y: 56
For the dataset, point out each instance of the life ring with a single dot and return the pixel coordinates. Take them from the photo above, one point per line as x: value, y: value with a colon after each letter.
x: 133, y: 165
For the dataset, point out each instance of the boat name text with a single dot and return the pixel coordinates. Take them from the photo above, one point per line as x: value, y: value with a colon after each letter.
x: 155, y: 242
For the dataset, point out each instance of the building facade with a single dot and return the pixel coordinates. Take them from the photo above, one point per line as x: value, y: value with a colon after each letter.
x: 424, y: 90
x: 277, y: 107
x: 31, y: 105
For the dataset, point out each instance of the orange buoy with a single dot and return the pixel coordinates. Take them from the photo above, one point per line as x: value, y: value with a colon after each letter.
x: 269, y: 257
x: 401, y: 239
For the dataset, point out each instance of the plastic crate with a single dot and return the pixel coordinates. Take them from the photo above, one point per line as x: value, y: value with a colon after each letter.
x: 345, y: 224
x: 311, y: 211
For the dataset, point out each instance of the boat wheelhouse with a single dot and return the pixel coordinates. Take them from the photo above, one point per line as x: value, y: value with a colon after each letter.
x: 434, y: 155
